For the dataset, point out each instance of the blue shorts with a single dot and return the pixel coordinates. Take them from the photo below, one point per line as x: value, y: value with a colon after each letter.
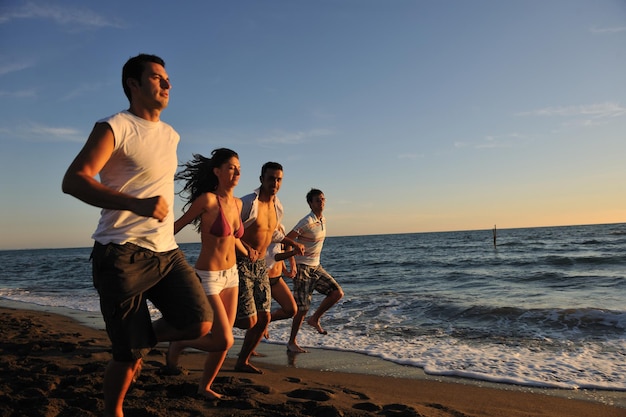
x: 128, y: 275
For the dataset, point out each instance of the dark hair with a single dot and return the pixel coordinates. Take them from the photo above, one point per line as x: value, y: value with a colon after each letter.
x: 314, y: 192
x: 270, y: 165
x: 134, y: 67
x: 199, y: 176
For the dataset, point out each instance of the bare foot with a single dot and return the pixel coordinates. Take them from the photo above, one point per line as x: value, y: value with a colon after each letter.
x: 257, y: 354
x: 210, y: 395
x: 316, y: 325
x: 294, y: 348
x: 247, y: 368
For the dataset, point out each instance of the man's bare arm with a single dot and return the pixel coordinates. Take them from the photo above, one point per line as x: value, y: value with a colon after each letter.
x: 289, y: 240
x: 79, y: 180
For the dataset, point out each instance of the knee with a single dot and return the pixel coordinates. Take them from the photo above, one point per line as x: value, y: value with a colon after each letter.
x: 198, y: 330
x: 229, y: 341
x: 263, y: 318
x: 290, y: 310
x: 245, y: 323
x: 220, y: 339
x: 337, y: 294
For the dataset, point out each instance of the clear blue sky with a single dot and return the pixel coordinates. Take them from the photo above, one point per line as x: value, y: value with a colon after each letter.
x: 411, y: 116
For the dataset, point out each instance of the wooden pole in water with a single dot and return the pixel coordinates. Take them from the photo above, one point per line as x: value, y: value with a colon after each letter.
x: 495, y: 236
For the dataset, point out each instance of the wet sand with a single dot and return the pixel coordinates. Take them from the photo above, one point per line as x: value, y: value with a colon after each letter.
x: 52, y: 365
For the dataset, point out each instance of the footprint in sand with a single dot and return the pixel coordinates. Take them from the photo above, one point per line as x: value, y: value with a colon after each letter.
x: 311, y: 394
x: 371, y: 407
x: 356, y: 394
x: 399, y: 410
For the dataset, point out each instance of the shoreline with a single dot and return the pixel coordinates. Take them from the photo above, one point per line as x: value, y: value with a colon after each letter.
x: 327, y: 362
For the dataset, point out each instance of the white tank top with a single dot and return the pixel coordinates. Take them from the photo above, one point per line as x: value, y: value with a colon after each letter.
x: 143, y: 165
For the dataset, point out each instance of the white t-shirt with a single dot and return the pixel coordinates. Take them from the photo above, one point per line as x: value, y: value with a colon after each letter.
x: 143, y: 165
x: 311, y: 232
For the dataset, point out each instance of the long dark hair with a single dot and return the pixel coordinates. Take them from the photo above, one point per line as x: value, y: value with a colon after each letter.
x: 199, y: 176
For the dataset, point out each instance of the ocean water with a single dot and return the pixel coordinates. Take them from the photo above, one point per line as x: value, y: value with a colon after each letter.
x: 546, y: 307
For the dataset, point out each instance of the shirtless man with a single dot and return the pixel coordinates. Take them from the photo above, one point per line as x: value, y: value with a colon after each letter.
x: 262, y: 213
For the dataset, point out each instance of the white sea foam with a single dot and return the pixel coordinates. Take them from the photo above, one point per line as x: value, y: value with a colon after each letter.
x: 584, y: 367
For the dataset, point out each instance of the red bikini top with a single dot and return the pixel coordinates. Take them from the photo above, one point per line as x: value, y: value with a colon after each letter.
x: 221, y: 227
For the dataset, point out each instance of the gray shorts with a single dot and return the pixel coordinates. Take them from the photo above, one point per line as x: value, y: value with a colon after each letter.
x: 128, y: 275
x: 254, y: 288
x: 309, y: 279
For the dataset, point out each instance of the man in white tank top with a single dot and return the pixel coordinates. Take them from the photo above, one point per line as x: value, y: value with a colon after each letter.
x: 135, y: 256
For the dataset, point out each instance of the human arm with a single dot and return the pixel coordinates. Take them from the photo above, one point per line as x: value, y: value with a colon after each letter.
x: 288, y: 254
x: 289, y: 240
x: 291, y: 271
x: 79, y: 179
x: 281, y: 256
x: 247, y: 250
x: 246, y: 203
x: 241, y: 248
x: 198, y: 206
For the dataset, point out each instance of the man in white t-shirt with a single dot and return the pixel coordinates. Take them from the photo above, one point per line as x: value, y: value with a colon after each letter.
x: 311, y: 232
x: 135, y: 256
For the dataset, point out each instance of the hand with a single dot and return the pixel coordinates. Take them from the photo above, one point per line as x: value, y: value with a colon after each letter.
x: 253, y: 254
x: 291, y: 273
x: 298, y: 249
x: 155, y: 207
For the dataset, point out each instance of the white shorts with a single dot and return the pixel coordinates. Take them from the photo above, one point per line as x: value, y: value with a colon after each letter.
x: 214, y: 282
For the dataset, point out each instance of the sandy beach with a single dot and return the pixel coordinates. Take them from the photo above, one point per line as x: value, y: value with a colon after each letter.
x: 53, y: 366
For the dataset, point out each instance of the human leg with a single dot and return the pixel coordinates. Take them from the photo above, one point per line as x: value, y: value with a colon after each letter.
x: 215, y: 360
x: 179, y: 296
x: 166, y: 332
x: 122, y: 274
x: 282, y: 294
x: 219, y: 287
x: 251, y: 340
x: 246, y: 309
x: 324, y: 284
x: 220, y: 339
x: 292, y: 345
x: 118, y: 377
x: 302, y: 292
x: 258, y: 280
x: 328, y: 301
